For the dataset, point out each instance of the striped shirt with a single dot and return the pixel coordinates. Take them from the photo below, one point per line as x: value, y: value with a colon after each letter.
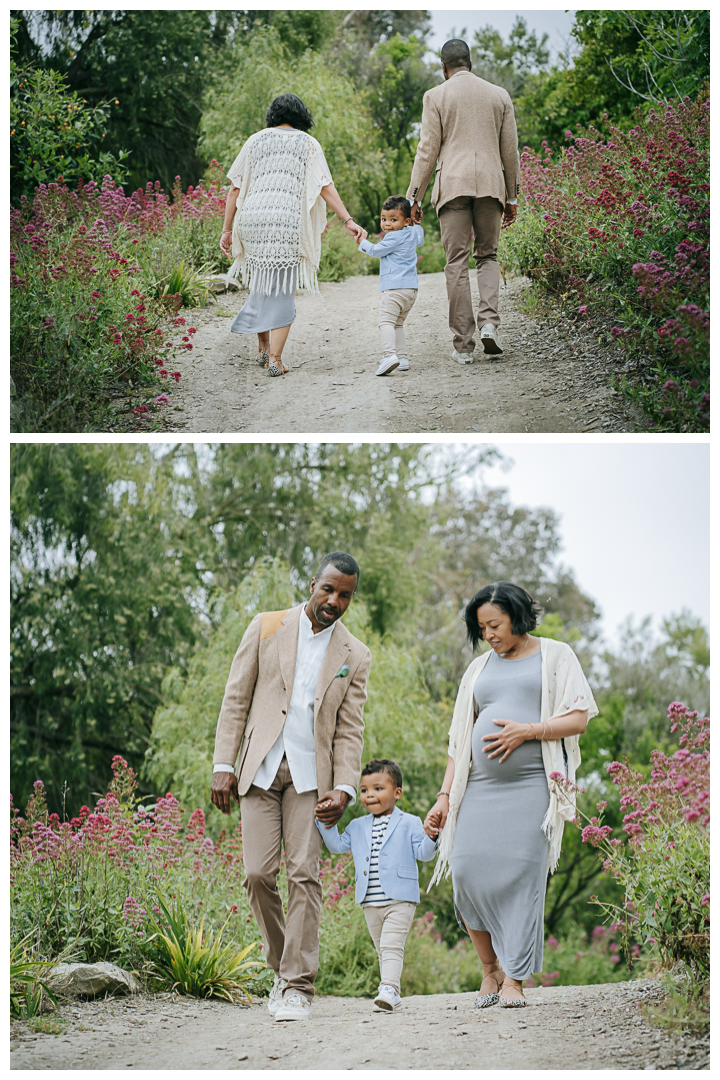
x: 375, y: 897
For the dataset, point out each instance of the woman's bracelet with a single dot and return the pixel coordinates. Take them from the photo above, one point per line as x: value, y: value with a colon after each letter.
x: 347, y: 219
x: 442, y: 793
x: 226, y: 232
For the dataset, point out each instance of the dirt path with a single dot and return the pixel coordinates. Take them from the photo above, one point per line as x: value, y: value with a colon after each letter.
x: 550, y: 378
x: 584, y: 1027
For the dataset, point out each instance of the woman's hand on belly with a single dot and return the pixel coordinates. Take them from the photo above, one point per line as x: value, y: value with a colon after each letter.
x: 510, y: 736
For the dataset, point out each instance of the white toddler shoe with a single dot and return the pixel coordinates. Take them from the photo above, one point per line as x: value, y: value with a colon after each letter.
x: 387, y: 998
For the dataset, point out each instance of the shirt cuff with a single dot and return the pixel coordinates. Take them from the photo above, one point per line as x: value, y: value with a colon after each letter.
x: 512, y: 202
x: 349, y: 790
x: 223, y: 768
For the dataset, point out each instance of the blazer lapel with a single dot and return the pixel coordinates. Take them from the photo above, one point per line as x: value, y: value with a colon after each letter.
x: 286, y: 637
x: 335, y: 657
x: 392, y: 826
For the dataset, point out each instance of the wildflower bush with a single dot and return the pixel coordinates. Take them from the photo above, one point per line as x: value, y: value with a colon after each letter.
x: 664, y: 868
x: 620, y: 222
x: 84, y: 325
x: 107, y: 884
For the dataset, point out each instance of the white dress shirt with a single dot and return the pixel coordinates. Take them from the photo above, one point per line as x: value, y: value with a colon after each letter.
x: 296, y: 741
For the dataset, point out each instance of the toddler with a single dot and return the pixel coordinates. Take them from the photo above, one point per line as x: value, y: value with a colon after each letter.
x: 398, y: 278
x: 385, y: 846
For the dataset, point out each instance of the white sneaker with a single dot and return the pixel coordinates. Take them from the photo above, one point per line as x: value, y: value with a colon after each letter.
x: 387, y: 998
x: 276, y: 993
x: 489, y: 338
x: 404, y: 364
x: 463, y: 357
x: 294, y: 1007
x: 387, y: 364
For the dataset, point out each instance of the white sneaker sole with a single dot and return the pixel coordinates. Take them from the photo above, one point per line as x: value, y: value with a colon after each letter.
x: 388, y: 365
x: 296, y: 1016
x: 385, y: 1006
x: 490, y: 345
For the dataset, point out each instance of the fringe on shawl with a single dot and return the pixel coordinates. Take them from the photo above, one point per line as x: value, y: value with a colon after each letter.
x: 261, y: 278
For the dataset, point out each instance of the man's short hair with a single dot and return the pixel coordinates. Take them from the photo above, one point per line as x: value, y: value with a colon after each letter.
x: 397, y: 202
x: 342, y: 562
x: 455, y: 54
x: 386, y: 766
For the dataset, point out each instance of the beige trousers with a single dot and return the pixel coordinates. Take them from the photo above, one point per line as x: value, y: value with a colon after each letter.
x: 389, y: 926
x: 395, y: 307
x: 459, y: 219
x: 269, y: 818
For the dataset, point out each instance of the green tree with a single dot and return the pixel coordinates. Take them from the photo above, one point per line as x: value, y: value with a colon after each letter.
x: 509, y: 64
x: 155, y: 64
x: 262, y: 68
x: 627, y: 58
x: 53, y: 133
x: 102, y: 603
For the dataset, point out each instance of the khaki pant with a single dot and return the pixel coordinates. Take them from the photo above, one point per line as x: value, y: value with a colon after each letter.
x: 389, y: 926
x: 395, y: 307
x: 459, y: 218
x: 269, y: 818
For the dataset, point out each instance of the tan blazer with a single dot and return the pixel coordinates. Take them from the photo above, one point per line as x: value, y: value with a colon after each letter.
x: 258, y: 692
x: 468, y: 128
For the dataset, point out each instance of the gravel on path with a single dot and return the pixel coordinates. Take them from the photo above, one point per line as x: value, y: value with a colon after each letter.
x: 564, y: 1027
x: 549, y: 378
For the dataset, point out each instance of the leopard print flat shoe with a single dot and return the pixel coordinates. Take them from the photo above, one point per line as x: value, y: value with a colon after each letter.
x: 484, y: 1001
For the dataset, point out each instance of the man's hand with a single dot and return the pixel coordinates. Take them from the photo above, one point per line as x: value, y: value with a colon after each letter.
x: 224, y: 785
x: 509, y: 215
x: 416, y: 213
x: 331, y: 807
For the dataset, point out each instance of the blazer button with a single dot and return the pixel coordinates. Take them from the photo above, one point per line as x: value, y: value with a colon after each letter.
x: 284, y: 713
x: 367, y: 858
x: 365, y: 873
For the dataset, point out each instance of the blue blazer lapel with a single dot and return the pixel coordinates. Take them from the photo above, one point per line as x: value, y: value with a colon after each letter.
x: 393, y: 823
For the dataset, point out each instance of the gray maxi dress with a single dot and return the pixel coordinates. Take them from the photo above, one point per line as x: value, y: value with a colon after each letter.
x: 500, y: 853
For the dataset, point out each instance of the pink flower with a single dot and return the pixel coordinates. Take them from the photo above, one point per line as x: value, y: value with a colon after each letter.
x: 704, y: 902
x: 162, y: 399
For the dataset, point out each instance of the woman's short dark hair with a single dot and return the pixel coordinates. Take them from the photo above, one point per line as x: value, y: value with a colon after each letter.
x: 289, y: 109
x: 515, y: 601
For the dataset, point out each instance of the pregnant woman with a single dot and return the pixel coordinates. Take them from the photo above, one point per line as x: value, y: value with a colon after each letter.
x: 518, y: 714
x: 274, y: 219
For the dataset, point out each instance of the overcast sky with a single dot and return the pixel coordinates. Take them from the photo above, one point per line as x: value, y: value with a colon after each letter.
x: 634, y: 520
x: 557, y: 24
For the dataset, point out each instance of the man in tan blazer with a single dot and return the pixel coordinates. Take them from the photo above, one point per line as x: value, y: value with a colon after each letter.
x: 293, y: 709
x: 468, y: 130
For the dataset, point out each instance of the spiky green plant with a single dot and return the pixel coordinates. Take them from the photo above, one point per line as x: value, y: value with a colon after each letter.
x: 27, y: 985
x: 195, y: 963
x: 185, y: 281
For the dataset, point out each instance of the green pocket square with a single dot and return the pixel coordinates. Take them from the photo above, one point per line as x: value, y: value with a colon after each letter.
x: 343, y: 672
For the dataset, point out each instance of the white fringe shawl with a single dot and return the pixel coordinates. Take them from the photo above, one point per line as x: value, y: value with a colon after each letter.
x: 564, y: 689
x: 313, y: 220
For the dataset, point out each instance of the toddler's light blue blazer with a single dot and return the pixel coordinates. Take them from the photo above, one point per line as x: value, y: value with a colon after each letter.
x: 404, y: 842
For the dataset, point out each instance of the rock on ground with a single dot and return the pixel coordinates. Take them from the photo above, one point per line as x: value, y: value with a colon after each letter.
x: 92, y: 980
x: 565, y: 1027
x: 552, y: 376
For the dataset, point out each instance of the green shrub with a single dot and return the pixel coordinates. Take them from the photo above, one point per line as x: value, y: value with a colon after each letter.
x: 340, y: 257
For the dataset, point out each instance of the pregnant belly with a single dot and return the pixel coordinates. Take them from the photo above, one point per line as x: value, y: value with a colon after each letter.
x: 524, y: 764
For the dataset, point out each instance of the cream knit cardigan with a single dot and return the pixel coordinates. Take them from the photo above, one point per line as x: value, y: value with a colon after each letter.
x: 564, y: 689
x: 313, y: 216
